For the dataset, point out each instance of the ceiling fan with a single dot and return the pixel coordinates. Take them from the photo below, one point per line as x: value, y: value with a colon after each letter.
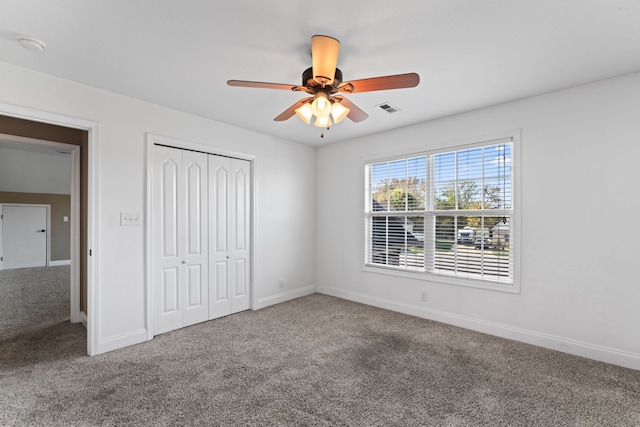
x: 323, y: 81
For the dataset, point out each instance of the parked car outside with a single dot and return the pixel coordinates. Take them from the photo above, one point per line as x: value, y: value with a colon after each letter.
x: 482, y: 242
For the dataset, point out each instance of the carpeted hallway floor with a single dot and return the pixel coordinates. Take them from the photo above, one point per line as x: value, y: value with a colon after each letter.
x: 33, y: 297
x: 314, y: 361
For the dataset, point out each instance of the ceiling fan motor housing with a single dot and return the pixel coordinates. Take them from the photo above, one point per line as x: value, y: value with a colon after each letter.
x: 309, y: 81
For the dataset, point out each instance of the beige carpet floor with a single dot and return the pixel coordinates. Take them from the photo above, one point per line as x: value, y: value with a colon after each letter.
x: 314, y: 361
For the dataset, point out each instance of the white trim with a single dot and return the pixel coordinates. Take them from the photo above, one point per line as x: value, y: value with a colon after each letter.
x: 74, y: 249
x: 92, y: 207
x: 74, y: 238
x: 284, y: 297
x: 197, y: 146
x: 83, y: 319
x: 438, y: 146
x: 59, y: 263
x: 254, y: 234
x: 153, y: 139
x: 121, y: 341
x: 443, y: 278
x: 552, y: 342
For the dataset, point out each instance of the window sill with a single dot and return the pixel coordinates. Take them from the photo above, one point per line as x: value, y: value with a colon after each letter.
x: 442, y: 278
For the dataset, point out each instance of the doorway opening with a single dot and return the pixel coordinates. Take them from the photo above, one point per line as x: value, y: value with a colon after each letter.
x: 35, y: 130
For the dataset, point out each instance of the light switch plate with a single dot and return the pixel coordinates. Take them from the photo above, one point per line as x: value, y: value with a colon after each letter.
x: 129, y: 218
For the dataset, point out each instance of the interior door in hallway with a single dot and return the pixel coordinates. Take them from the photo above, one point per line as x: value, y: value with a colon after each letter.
x: 229, y: 235
x: 24, y: 236
x: 180, y: 232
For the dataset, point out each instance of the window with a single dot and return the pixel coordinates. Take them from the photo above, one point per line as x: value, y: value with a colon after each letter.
x: 446, y: 213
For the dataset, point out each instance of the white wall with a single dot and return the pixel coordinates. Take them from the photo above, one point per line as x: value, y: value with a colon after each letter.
x: 579, y: 165
x: 32, y: 172
x: 285, y: 201
x: 580, y: 150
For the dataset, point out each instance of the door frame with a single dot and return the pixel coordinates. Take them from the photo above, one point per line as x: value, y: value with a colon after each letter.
x: 152, y: 140
x: 47, y: 259
x: 92, y: 128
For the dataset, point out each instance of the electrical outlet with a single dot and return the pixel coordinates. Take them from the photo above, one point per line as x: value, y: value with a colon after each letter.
x: 423, y: 296
x: 281, y: 283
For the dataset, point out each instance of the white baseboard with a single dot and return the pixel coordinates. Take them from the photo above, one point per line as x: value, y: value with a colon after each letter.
x: 284, y: 297
x: 566, y: 345
x: 60, y: 262
x: 121, y: 341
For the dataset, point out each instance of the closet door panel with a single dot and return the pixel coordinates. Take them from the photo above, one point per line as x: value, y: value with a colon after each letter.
x: 165, y: 227
x: 169, y: 208
x: 170, y: 291
x: 179, y: 230
x: 195, y: 228
x: 219, y: 301
x: 240, y: 223
x: 241, y: 286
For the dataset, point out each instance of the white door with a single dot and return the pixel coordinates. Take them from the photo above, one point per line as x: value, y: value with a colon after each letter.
x: 24, y: 236
x: 229, y: 235
x: 180, y: 248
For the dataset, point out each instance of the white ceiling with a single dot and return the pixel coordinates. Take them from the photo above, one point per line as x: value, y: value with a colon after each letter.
x: 469, y: 53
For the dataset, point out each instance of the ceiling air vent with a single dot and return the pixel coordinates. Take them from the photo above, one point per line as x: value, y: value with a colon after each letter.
x: 388, y: 107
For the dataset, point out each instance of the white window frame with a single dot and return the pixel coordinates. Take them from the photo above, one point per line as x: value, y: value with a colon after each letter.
x: 513, y: 137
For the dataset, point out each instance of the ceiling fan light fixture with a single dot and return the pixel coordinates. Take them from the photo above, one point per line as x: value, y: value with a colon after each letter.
x: 321, y: 105
x: 323, y: 122
x: 324, y: 56
x: 323, y: 80
x: 339, y: 112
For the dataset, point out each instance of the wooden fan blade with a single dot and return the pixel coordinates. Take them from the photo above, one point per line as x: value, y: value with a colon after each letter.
x: 397, y: 81
x: 355, y: 113
x: 263, y: 85
x: 289, y: 112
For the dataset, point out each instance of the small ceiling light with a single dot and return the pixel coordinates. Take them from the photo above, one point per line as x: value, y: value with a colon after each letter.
x: 323, y: 122
x: 305, y: 113
x: 338, y: 112
x: 31, y: 43
x: 321, y: 106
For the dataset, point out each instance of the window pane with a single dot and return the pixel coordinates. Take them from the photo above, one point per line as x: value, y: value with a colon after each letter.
x: 478, y: 178
x: 393, y: 243
x: 444, y: 181
x: 480, y: 249
x: 379, y: 186
x: 399, y: 185
x: 470, y: 165
x: 497, y: 177
x: 416, y: 183
x: 445, y: 251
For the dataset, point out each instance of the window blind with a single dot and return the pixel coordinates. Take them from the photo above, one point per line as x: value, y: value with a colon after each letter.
x: 446, y: 213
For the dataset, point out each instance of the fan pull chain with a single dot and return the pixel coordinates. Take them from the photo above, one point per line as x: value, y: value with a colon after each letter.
x: 322, y: 134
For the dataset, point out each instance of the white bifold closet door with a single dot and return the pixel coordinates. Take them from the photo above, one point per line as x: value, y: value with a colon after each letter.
x: 180, y: 239
x: 229, y: 235
x: 200, y: 237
